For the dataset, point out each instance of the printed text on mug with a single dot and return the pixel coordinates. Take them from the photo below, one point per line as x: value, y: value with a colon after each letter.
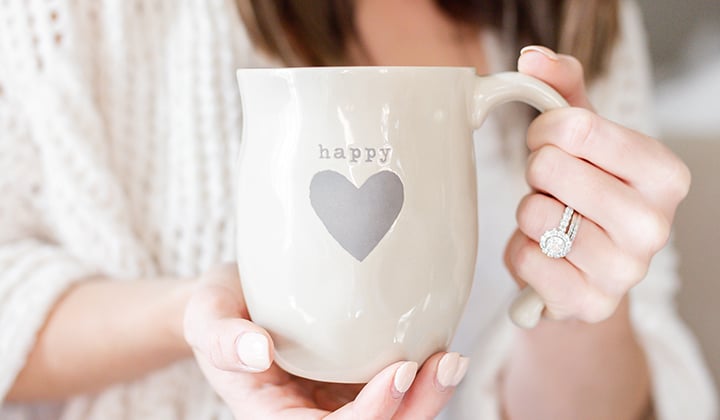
x: 357, y: 154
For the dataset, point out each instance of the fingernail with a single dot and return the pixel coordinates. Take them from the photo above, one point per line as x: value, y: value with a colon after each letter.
x: 253, y: 350
x: 404, y: 377
x: 462, y: 368
x: 447, y: 367
x: 547, y: 52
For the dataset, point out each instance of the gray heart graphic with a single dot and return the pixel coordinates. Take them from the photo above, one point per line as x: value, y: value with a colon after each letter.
x: 358, y: 218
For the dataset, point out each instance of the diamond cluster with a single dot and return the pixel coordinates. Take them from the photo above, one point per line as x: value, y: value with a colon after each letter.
x: 556, y: 243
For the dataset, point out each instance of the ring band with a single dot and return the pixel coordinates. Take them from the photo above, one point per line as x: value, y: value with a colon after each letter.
x: 556, y: 243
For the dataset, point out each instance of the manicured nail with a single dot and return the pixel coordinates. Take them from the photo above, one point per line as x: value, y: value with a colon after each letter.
x: 404, y: 377
x: 253, y: 350
x: 462, y: 368
x: 547, y: 52
x: 447, y: 367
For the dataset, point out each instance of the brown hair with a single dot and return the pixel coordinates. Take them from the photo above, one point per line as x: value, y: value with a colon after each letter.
x: 316, y: 32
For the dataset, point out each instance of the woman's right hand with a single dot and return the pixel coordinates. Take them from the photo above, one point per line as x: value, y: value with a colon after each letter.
x: 236, y: 357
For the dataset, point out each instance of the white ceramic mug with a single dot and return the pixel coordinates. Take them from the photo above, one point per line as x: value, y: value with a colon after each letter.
x: 356, y: 209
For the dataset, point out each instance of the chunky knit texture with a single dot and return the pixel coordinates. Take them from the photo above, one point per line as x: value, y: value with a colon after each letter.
x: 119, y: 129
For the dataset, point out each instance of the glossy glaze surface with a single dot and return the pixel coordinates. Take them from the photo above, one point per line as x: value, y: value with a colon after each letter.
x: 356, y: 211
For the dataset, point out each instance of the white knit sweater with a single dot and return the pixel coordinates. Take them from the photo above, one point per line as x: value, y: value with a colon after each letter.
x: 119, y: 128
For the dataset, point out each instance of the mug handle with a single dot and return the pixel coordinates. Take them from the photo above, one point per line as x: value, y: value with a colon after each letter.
x: 497, y: 89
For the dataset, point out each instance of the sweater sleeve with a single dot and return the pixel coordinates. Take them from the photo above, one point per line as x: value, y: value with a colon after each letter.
x: 34, y: 269
x: 34, y: 272
x: 681, y: 383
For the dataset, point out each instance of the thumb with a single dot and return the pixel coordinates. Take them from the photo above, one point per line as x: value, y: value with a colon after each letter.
x: 215, y: 325
x: 563, y: 72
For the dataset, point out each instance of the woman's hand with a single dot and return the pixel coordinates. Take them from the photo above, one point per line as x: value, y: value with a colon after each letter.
x: 625, y: 184
x: 627, y: 187
x: 236, y: 358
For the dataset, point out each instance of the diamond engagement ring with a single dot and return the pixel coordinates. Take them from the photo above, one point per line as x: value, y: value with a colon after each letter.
x: 556, y: 243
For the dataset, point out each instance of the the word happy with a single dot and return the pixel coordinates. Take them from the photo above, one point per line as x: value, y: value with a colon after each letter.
x: 357, y: 154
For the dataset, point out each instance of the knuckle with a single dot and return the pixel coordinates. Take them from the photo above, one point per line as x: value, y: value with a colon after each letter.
x: 576, y: 66
x: 634, y: 270
x: 679, y: 180
x: 656, y: 231
x: 217, y: 353
x: 190, y: 332
x: 543, y: 166
x: 648, y: 232
x: 194, y: 320
x: 581, y: 125
x: 626, y: 272
x: 529, y: 213
x: 522, y: 259
x: 596, y: 307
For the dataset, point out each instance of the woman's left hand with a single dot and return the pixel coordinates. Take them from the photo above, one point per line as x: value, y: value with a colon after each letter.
x: 626, y: 185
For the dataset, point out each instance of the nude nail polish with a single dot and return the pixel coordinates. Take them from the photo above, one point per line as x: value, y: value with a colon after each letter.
x: 547, y: 52
x: 462, y: 368
x: 404, y: 377
x: 447, y: 368
x: 253, y: 351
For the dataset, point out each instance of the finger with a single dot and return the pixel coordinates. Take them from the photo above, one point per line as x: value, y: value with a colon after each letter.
x: 213, y: 328
x: 382, y: 396
x: 563, y: 72
x: 434, y: 386
x: 226, y: 276
x: 617, y: 208
x: 602, y: 263
x: 643, y: 162
x: 561, y: 285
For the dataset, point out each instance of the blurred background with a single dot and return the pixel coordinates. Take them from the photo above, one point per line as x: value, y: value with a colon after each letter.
x: 684, y: 38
